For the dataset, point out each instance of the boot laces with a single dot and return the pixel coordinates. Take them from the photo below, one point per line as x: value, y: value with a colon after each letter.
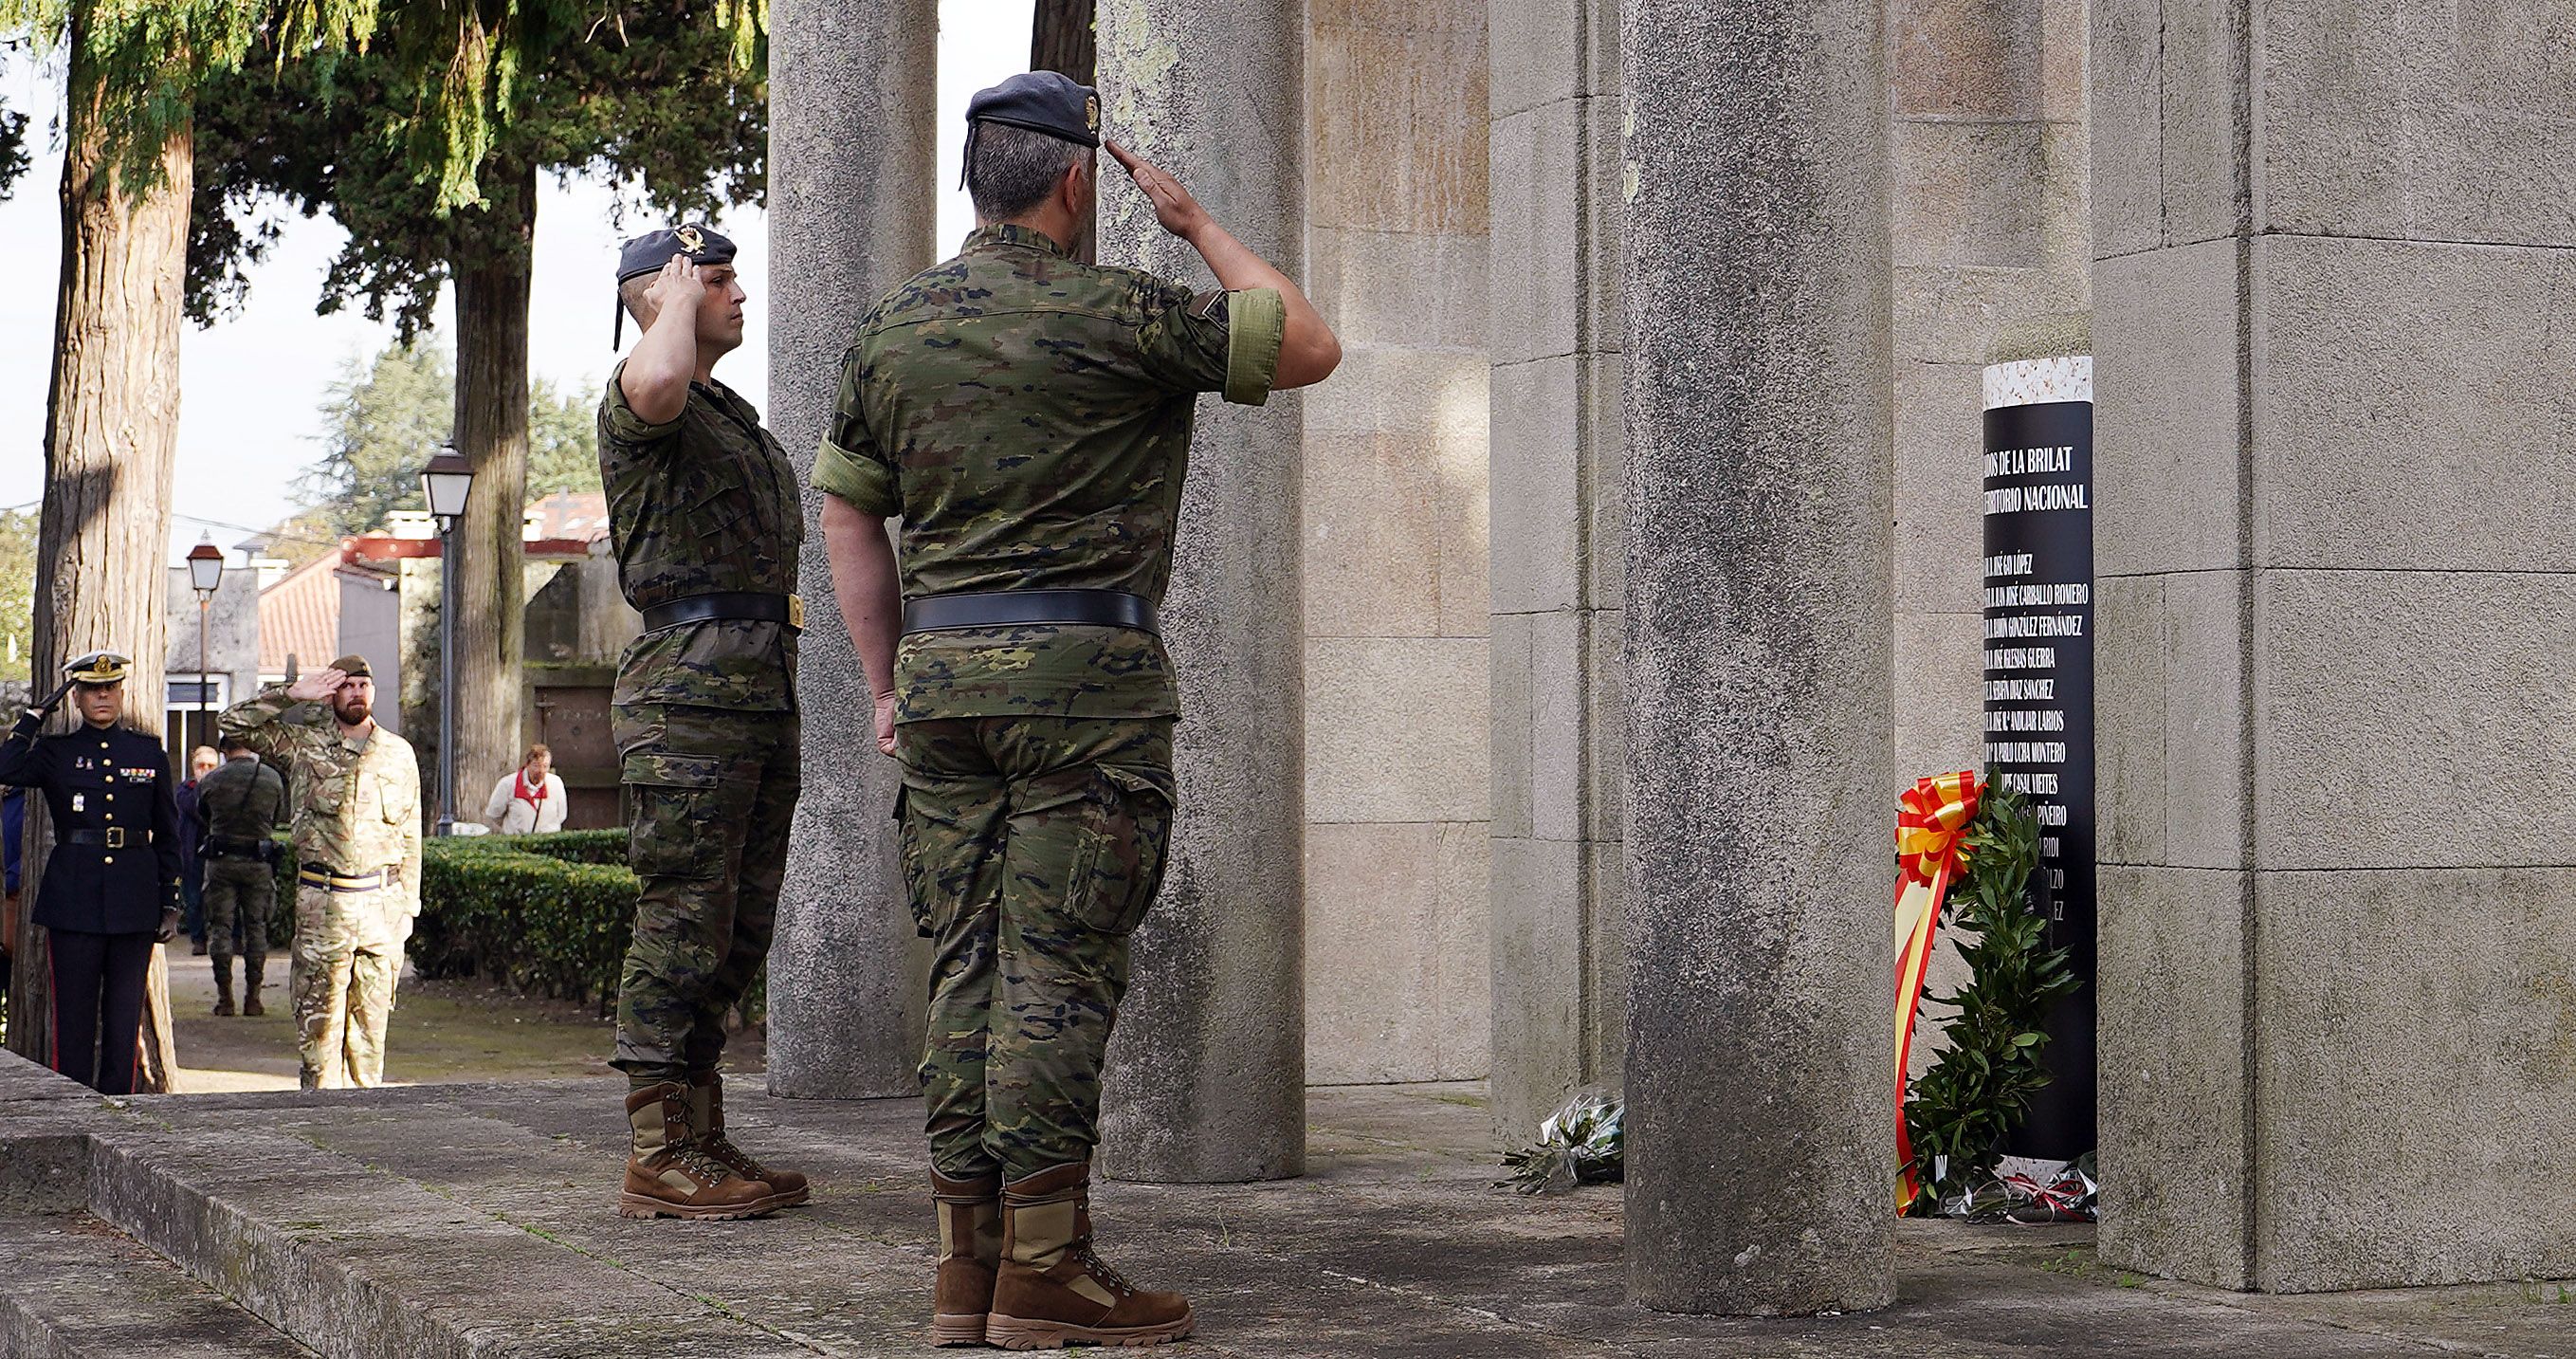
x: 1100, y: 1269
x: 723, y: 1149
x: 700, y: 1160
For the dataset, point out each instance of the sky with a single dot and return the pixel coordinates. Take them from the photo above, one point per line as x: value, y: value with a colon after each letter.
x: 251, y: 385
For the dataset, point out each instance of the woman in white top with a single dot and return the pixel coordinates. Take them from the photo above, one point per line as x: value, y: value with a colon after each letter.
x: 528, y: 798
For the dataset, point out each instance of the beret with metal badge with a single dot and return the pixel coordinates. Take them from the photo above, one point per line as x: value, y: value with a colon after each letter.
x: 1040, y: 101
x: 646, y: 254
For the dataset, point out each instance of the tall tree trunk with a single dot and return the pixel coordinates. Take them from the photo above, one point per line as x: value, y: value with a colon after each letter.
x: 492, y: 432
x: 1060, y: 38
x: 112, y: 425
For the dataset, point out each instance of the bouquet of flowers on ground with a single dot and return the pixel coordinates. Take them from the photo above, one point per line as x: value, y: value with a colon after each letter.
x: 1578, y: 1144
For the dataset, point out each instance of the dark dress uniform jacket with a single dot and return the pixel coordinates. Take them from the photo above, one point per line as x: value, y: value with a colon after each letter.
x: 111, y: 780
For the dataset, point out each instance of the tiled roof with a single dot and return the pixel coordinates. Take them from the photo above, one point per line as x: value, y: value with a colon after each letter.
x: 566, y: 517
x: 300, y: 616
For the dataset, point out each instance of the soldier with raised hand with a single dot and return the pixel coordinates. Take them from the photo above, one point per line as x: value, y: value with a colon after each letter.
x: 111, y: 886
x: 1027, y: 417
x: 239, y: 804
x: 357, y: 853
x: 704, y: 516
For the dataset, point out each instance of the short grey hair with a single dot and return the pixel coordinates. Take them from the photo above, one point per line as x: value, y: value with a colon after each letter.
x: 1012, y: 169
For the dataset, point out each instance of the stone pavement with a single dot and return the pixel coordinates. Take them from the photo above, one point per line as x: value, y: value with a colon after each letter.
x: 479, y: 1220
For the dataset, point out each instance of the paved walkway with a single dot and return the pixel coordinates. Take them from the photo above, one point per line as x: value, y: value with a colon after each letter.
x: 478, y: 1220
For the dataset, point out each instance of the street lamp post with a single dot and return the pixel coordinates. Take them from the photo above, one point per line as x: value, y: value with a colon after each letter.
x: 444, y: 483
x: 205, y: 576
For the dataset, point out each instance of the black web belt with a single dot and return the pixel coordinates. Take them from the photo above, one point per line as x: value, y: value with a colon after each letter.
x: 757, y: 608
x: 1025, y: 608
x: 332, y: 880
x: 114, y: 837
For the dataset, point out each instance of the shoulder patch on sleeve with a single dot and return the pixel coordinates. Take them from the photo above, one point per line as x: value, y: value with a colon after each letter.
x: 1209, y: 307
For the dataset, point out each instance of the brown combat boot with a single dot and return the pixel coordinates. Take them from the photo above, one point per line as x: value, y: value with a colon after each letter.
x: 970, y: 1249
x: 668, y: 1176
x: 1051, y: 1290
x: 224, y: 988
x: 250, y: 990
x: 706, y: 1125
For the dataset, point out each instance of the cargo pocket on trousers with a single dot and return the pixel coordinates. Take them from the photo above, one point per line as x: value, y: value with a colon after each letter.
x: 908, y: 846
x: 675, y: 803
x: 1126, y: 836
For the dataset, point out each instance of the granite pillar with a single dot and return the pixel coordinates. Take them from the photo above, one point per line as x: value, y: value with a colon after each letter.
x: 1556, y: 331
x: 1206, y: 1071
x: 2335, y: 568
x: 853, y: 88
x: 1760, y: 1174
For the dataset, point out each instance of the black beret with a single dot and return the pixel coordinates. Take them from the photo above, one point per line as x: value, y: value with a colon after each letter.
x: 646, y: 254
x: 1041, y: 101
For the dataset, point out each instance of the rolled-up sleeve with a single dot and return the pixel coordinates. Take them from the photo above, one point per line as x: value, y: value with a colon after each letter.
x: 618, y: 421
x: 849, y: 465
x: 1216, y: 342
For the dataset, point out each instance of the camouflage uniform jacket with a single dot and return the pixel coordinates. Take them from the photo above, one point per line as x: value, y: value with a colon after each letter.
x: 360, y: 799
x: 1028, y: 416
x: 240, y: 801
x: 703, y: 504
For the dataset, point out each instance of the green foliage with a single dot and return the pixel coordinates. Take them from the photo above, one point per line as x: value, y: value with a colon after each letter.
x: 1981, y: 1088
x: 17, y: 591
x: 383, y: 418
x: 546, y: 913
x: 668, y: 94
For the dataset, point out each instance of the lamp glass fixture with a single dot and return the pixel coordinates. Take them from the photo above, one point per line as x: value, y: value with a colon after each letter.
x: 445, y: 482
x: 205, y: 567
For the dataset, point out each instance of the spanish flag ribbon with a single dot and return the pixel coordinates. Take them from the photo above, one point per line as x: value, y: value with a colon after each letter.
x: 1932, y: 820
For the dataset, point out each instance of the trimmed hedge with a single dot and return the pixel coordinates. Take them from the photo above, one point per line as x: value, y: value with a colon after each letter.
x: 551, y: 914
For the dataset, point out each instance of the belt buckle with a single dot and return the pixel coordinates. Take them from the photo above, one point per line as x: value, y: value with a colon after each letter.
x: 116, y: 837
x: 796, y: 612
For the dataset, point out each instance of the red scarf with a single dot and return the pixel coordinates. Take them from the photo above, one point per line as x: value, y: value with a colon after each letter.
x: 522, y: 794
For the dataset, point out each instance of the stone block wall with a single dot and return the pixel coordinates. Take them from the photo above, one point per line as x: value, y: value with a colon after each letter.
x: 2339, y: 960
x: 1394, y: 505
x: 1556, y: 576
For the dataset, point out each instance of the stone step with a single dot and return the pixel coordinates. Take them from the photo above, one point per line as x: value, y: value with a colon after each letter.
x: 359, y: 1263
x: 77, y: 1288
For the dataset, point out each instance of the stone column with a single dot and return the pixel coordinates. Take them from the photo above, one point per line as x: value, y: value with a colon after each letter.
x: 1206, y: 1075
x: 1760, y: 1143
x: 2334, y: 571
x: 851, y: 182
x: 1556, y: 330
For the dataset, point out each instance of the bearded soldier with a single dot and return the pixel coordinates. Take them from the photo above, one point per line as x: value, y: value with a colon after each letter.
x: 357, y: 854
x: 1027, y: 417
x: 703, y: 513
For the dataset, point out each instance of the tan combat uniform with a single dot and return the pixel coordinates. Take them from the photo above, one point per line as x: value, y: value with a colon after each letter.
x: 357, y: 844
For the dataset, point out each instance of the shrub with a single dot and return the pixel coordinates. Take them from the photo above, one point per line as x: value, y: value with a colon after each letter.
x: 551, y: 914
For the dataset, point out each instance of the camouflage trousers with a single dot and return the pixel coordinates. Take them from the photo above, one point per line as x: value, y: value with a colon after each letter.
x: 711, y: 793
x: 241, y: 890
x: 340, y: 980
x: 1031, y: 848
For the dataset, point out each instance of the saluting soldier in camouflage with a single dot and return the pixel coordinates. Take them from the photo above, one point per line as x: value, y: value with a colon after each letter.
x: 357, y: 851
x: 1027, y: 416
x: 240, y: 803
x: 704, y: 515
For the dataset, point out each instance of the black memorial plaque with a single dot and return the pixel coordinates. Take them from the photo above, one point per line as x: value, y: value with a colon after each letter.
x: 2039, y: 711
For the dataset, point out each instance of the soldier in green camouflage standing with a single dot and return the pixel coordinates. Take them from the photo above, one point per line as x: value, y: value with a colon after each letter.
x: 240, y: 803
x: 1027, y: 417
x: 704, y: 515
x: 357, y: 850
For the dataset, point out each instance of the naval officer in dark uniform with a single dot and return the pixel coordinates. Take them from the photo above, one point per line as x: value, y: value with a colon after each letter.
x: 111, y: 887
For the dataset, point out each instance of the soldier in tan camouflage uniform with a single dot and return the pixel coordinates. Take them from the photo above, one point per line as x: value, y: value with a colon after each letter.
x: 1027, y: 416
x: 357, y: 848
x: 704, y: 516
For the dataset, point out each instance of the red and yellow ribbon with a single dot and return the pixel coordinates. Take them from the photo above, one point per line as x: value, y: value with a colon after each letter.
x: 1932, y: 819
